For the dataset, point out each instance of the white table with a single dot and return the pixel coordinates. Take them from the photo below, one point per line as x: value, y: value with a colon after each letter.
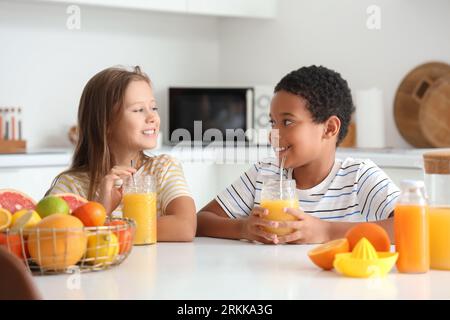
x: 227, y: 269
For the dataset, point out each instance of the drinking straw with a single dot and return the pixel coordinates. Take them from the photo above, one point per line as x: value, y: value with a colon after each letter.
x: 281, y: 177
x: 132, y: 175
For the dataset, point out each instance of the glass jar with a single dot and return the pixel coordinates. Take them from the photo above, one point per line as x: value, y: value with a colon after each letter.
x: 139, y: 204
x: 437, y: 181
x: 275, y: 196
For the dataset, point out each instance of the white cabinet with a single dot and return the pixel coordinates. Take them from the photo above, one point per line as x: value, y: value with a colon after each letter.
x: 33, y: 181
x: 157, y: 5
x: 202, y: 181
x: 234, y: 8
x: 225, y: 8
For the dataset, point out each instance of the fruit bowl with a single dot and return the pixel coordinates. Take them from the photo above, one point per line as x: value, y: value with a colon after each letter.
x: 69, y: 250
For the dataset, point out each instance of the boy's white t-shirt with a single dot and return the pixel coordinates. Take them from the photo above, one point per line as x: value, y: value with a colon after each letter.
x: 355, y: 190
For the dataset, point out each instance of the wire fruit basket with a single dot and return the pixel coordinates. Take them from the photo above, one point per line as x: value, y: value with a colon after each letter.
x: 69, y: 250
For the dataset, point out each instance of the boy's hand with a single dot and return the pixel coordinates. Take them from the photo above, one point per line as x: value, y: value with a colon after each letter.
x: 109, y: 194
x: 307, y: 229
x: 253, y: 227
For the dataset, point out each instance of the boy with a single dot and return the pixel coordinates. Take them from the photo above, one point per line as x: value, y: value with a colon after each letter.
x: 310, y: 113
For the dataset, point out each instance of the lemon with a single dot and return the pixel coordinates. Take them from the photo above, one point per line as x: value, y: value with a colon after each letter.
x: 32, y: 221
x: 102, y: 248
x: 5, y: 219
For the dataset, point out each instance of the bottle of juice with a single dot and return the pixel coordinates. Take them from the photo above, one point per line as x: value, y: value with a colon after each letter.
x: 411, y: 225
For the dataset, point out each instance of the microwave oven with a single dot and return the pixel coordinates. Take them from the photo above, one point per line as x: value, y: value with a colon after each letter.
x: 219, y: 114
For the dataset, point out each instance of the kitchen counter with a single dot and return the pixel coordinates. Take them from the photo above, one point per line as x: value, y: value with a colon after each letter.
x: 37, y: 158
x: 228, y: 269
x: 394, y: 158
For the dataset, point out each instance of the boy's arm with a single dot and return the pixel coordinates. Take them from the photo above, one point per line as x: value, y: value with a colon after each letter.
x: 212, y: 221
x: 309, y: 229
x: 339, y: 229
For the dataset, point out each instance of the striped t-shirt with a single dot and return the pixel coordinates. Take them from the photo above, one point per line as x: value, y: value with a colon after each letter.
x: 354, y: 191
x: 168, y: 173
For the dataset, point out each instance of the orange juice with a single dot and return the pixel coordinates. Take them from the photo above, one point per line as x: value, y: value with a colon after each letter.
x: 439, y: 237
x: 275, y: 208
x: 411, y: 225
x: 142, y: 208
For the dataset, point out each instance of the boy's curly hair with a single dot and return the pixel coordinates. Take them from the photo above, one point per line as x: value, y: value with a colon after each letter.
x: 325, y: 91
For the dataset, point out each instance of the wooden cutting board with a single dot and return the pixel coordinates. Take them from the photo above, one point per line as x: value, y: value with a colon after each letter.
x: 409, y: 97
x: 434, y: 113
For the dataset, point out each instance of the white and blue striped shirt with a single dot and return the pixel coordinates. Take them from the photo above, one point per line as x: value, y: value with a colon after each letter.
x: 354, y: 191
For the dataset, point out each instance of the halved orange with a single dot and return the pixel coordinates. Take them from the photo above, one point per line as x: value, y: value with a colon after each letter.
x: 376, y: 235
x: 323, y: 255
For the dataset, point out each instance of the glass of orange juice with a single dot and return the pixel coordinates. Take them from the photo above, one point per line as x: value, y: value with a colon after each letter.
x: 275, y: 196
x: 139, y: 204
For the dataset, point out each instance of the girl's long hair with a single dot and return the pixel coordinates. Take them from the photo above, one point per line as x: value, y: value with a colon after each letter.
x: 101, y: 105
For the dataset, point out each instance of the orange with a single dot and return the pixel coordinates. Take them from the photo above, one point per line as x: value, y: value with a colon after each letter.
x: 12, y: 242
x: 57, y: 242
x: 92, y: 214
x: 376, y: 235
x: 323, y: 255
x: 123, y: 233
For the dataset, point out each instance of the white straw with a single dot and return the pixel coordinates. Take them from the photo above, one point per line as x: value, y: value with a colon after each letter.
x: 132, y: 175
x: 281, y: 177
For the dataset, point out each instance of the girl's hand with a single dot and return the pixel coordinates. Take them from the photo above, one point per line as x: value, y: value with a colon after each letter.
x: 307, y: 229
x: 253, y: 227
x: 109, y: 195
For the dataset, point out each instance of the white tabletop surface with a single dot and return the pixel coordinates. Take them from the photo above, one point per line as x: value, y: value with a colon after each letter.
x: 227, y: 269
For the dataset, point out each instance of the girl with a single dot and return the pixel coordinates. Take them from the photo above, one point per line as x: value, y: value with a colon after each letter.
x: 117, y: 121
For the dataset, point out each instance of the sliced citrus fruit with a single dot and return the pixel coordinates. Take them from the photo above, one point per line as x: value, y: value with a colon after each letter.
x: 30, y: 221
x: 376, y: 235
x: 14, y: 200
x: 5, y: 219
x: 323, y: 255
x: 73, y: 200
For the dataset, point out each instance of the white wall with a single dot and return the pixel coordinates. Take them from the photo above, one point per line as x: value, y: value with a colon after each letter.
x: 334, y: 34
x: 44, y: 66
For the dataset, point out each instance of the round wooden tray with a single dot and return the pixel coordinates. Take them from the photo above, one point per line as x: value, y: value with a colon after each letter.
x: 434, y: 113
x: 409, y: 97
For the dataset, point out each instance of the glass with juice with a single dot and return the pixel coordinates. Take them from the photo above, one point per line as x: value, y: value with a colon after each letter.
x: 275, y: 196
x: 411, y: 225
x: 139, y: 204
x: 437, y: 181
